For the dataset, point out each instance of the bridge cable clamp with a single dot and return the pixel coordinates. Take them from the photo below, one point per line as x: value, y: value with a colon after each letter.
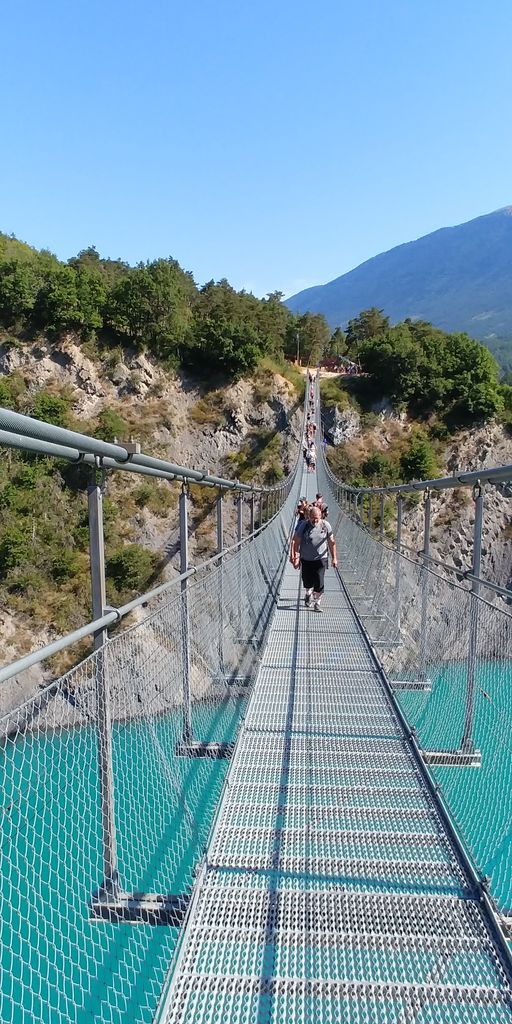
x: 108, y: 609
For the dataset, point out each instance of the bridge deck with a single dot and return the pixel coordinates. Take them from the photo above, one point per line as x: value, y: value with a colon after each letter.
x: 331, y: 891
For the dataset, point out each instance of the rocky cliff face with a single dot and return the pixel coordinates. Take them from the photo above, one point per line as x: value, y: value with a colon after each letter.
x: 341, y: 424
x: 453, y: 511
x: 175, y: 419
x: 157, y: 402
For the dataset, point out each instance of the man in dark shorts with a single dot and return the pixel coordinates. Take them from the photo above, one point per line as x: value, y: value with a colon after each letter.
x: 311, y: 542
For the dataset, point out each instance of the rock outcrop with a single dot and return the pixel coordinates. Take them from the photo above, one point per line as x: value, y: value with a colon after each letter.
x: 165, y: 411
x: 341, y: 424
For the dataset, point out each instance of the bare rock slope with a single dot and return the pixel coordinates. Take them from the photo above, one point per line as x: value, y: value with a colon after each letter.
x: 175, y: 419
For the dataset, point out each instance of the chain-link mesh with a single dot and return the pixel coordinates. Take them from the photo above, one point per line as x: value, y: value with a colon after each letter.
x: 331, y: 889
x: 69, y: 953
x: 448, y: 654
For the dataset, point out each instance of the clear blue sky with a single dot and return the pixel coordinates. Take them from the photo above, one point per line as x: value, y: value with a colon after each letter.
x: 278, y: 143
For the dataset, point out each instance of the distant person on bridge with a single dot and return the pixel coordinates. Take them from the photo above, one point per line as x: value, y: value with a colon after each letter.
x: 320, y: 503
x: 311, y: 541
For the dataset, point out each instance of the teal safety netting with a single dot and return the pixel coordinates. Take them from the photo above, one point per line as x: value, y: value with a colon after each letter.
x: 64, y: 958
x: 420, y: 623
x: 331, y: 889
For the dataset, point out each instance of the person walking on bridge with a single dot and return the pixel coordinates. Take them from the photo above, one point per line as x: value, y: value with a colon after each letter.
x: 311, y: 542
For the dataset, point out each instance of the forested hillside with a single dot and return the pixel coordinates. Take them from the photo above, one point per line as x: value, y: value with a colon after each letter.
x: 200, y: 375
x: 438, y: 385
x: 114, y: 350
x: 154, y: 306
x: 459, y: 278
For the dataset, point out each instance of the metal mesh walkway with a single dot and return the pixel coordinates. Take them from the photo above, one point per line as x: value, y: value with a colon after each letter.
x: 330, y: 891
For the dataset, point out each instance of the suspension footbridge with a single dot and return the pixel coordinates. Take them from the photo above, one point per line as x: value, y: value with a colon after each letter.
x: 240, y: 810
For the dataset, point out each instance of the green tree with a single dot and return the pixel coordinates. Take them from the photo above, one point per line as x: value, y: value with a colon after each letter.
x: 369, y: 324
x: 130, y: 568
x: 110, y: 425
x: 51, y: 408
x: 152, y: 305
x: 392, y: 362
x: 57, y: 307
x: 337, y: 343
x: 229, y: 346
x: 15, y: 548
x: 18, y: 290
x: 91, y: 290
x: 473, y: 374
x: 12, y: 391
x: 377, y: 469
x: 109, y: 270
x: 314, y: 338
x: 273, y: 322
x: 425, y: 370
x: 419, y: 461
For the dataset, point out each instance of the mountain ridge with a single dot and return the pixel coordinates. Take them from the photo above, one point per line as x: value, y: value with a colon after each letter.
x: 458, y: 278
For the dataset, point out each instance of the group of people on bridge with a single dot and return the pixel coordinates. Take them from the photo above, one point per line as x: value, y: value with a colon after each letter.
x: 312, y: 542
x: 309, y: 447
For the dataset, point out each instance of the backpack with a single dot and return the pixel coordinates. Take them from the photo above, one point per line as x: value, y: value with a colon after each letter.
x: 323, y: 528
x: 321, y: 524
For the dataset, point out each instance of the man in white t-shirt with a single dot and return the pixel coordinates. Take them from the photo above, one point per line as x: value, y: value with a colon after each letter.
x: 311, y: 542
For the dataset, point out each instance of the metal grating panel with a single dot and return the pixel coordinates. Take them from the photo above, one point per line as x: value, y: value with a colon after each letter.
x: 330, y: 892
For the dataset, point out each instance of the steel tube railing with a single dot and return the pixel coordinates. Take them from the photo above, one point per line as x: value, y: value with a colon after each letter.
x: 425, y: 586
x: 496, y: 474
x: 185, y: 624
x: 38, y: 447
x: 103, y: 702
x: 14, y: 426
x: 467, y: 744
x: 112, y: 616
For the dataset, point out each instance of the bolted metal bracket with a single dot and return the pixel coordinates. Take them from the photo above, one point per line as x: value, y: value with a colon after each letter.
x: 138, y: 908
x: 424, y: 685
x: 453, y: 758
x: 196, y: 748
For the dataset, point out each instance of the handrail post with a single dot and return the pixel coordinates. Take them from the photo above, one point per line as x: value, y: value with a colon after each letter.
x: 370, y: 513
x: 381, y: 523
x: 220, y: 546
x: 467, y: 745
x: 185, y: 623
x: 239, y: 536
x: 106, y: 775
x: 251, y: 507
x: 398, y: 561
x: 425, y: 586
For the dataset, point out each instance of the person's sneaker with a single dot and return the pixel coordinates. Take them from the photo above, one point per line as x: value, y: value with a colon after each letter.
x: 307, y: 600
x: 316, y: 607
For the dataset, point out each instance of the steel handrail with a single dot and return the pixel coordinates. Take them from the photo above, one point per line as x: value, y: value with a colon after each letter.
x: 69, y: 444
x: 114, y: 615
